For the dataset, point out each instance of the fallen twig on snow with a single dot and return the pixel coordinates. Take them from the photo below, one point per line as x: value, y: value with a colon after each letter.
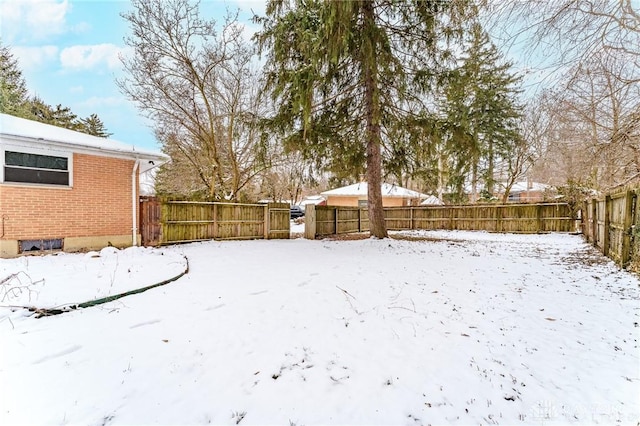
x: 12, y: 286
x: 347, y: 295
x: 44, y: 312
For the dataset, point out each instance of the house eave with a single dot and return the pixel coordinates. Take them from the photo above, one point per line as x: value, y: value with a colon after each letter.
x: 44, y: 144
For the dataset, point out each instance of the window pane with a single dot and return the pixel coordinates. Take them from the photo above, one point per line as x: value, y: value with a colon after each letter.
x: 34, y: 160
x: 12, y: 174
x: 37, y: 245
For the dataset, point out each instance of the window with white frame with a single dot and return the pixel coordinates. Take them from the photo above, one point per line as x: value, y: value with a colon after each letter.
x: 31, y: 167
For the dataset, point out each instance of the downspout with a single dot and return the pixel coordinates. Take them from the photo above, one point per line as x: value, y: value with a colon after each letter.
x: 134, y: 202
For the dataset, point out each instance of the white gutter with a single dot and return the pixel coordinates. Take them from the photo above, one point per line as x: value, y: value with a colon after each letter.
x: 83, y: 147
x: 134, y: 202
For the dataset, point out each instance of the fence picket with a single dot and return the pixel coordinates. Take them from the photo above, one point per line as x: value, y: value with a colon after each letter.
x: 186, y: 221
x: 524, y: 218
x: 610, y: 220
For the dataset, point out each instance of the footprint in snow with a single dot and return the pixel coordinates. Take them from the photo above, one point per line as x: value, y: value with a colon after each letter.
x: 212, y: 308
x: 155, y: 321
x: 58, y: 354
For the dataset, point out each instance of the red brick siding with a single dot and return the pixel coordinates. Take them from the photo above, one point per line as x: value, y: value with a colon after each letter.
x: 98, y: 204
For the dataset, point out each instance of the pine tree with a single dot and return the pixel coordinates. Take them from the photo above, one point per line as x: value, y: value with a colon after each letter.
x: 59, y: 116
x: 483, y: 112
x: 341, y: 71
x: 39, y: 110
x: 13, y: 90
x: 94, y: 126
x: 64, y: 117
x: 14, y: 100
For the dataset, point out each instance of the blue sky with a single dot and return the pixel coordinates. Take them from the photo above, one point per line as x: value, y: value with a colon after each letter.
x: 68, y: 53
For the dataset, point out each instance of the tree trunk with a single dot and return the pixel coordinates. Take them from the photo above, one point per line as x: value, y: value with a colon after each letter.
x: 507, y: 191
x: 377, y: 227
x: 440, y: 176
x: 489, y: 186
x: 473, y: 197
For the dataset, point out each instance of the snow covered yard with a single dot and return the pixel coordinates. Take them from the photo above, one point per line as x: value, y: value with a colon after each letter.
x: 462, y: 328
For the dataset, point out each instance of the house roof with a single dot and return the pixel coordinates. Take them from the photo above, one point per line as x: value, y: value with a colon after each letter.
x: 388, y: 190
x: 517, y: 187
x: 432, y: 200
x: 312, y: 199
x: 525, y: 186
x: 22, y: 132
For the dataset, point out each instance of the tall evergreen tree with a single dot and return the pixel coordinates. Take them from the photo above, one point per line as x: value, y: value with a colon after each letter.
x: 13, y: 89
x: 94, y: 126
x: 64, y: 117
x: 340, y: 72
x: 482, y: 109
x: 14, y: 100
x: 39, y: 110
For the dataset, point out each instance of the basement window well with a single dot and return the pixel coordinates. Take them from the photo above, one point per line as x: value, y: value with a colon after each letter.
x: 40, y: 245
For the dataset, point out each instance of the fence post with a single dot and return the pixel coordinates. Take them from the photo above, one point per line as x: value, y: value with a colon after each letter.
x: 310, y: 222
x: 625, y: 256
x: 215, y: 221
x: 266, y: 224
x: 451, y: 218
x: 164, y: 218
x: 539, y: 217
x: 607, y: 224
x: 359, y: 219
x: 411, y: 216
x: 335, y: 220
x: 584, y: 215
x: 594, y: 221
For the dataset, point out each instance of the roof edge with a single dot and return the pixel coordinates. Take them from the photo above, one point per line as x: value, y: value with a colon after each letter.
x: 84, y: 148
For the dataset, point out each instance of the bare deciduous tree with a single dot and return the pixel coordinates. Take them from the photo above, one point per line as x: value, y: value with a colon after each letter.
x: 198, y: 86
x: 590, y: 132
x: 571, y: 32
x: 590, y: 51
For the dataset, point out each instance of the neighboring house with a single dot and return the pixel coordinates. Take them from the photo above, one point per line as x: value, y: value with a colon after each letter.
x: 317, y: 200
x: 61, y: 189
x: 356, y: 196
x: 527, y: 192
x: 432, y: 200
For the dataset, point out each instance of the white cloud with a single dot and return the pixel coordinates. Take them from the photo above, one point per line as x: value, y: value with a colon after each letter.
x: 84, y: 57
x: 33, y: 58
x: 37, y: 18
x: 81, y: 27
x: 76, y: 89
x: 11, y: 11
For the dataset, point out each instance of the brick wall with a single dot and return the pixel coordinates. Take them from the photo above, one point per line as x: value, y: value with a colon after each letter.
x: 346, y: 201
x: 352, y: 201
x: 98, y: 204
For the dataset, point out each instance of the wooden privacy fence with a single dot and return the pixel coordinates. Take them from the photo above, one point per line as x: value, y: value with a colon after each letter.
x: 610, y: 223
x: 522, y: 218
x: 175, y: 221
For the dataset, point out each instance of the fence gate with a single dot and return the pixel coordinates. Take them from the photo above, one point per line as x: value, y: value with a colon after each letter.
x: 150, y: 227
